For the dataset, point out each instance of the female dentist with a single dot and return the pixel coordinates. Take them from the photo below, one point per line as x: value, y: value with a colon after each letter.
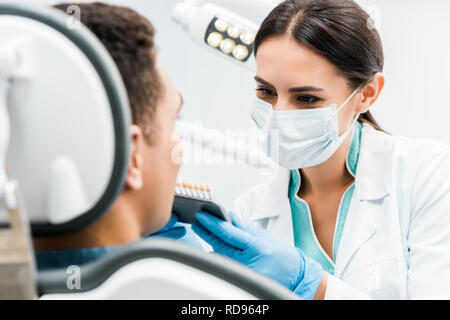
x: 352, y: 212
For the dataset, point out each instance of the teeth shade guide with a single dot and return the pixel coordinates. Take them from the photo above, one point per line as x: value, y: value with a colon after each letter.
x: 191, y: 198
x: 196, y: 191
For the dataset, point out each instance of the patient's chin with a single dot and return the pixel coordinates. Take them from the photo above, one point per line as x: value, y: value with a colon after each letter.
x: 157, y: 220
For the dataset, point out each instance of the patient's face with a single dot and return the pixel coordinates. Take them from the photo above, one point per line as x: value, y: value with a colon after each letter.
x: 162, y: 158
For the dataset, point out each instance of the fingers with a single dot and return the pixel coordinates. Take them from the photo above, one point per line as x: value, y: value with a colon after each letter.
x: 241, y: 225
x: 217, y: 244
x: 175, y: 233
x: 225, y: 231
x: 237, y: 221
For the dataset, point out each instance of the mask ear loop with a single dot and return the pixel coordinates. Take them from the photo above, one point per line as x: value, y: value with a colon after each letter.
x: 348, y: 99
x: 357, y: 115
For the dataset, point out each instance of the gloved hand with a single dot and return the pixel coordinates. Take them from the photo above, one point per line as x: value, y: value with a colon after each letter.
x: 261, y: 251
x: 179, y: 231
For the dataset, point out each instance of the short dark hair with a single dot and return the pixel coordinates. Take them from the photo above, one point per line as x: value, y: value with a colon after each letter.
x: 128, y: 37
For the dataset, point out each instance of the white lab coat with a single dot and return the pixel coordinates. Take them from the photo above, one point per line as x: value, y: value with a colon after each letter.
x: 396, y: 238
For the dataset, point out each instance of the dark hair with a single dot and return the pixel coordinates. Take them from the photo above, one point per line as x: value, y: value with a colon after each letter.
x: 339, y: 30
x: 128, y: 37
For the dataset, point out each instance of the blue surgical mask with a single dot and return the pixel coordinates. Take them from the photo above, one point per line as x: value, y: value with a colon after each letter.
x: 305, y: 138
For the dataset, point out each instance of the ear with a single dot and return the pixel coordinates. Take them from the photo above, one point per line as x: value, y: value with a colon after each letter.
x: 134, y: 179
x: 370, y: 93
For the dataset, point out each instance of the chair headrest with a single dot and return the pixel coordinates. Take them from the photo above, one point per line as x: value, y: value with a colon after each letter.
x: 69, y: 118
x: 103, y: 279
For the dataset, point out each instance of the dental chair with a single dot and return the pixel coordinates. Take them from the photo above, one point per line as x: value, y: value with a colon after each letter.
x: 64, y: 146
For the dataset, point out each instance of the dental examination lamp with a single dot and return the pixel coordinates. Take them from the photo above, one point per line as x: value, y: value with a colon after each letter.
x: 64, y: 149
x: 224, y: 27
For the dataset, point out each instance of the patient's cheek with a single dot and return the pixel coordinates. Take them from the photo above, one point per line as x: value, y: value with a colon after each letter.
x: 176, y: 154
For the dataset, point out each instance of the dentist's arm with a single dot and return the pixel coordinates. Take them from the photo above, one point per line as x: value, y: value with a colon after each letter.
x: 320, y: 293
x: 264, y: 253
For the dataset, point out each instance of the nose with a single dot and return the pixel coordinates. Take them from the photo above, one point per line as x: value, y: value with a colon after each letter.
x: 282, y: 104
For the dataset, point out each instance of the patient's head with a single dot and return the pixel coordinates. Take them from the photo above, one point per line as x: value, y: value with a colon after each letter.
x: 146, y: 201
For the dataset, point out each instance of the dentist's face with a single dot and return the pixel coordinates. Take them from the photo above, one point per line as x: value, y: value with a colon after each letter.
x: 290, y: 76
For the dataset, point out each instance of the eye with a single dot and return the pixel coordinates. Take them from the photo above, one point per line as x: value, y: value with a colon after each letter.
x: 265, y: 92
x: 308, y: 99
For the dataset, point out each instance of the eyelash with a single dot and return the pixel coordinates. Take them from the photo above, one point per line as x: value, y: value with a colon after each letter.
x: 308, y: 99
x: 265, y: 91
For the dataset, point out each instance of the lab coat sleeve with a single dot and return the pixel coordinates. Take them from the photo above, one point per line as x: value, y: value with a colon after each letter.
x: 428, y: 238
x: 339, y: 290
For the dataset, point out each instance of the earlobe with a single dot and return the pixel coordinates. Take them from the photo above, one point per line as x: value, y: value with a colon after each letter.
x: 134, y: 179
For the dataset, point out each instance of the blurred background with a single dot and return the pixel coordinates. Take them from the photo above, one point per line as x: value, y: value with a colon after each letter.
x: 414, y: 103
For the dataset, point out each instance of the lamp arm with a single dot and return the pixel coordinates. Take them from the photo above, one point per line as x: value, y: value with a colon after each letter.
x: 254, y: 10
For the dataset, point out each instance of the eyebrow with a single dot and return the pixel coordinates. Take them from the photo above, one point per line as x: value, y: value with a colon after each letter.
x: 296, y: 89
x: 305, y: 89
x: 258, y: 79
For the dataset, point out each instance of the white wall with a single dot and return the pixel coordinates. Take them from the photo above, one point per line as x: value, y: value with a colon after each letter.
x: 415, y: 101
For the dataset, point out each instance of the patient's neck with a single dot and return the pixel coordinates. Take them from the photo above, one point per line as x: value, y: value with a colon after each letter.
x: 118, y: 226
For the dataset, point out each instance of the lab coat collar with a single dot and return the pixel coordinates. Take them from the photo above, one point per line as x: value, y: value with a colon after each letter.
x: 272, y: 196
x: 374, y: 171
x: 372, y: 181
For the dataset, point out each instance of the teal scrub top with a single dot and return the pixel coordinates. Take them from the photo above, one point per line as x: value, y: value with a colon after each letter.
x: 304, y: 236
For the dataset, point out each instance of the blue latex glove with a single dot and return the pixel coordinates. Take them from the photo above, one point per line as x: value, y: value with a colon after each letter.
x: 261, y: 251
x: 179, y: 231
